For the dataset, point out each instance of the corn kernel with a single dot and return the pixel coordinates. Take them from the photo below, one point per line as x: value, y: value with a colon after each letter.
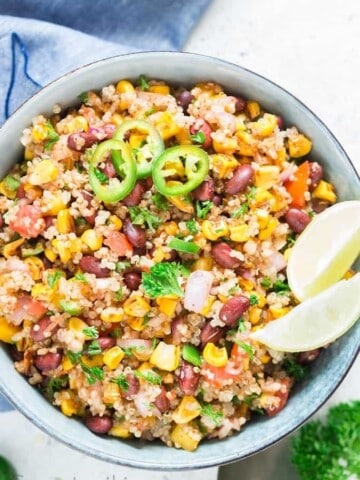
x: 167, y: 305
x: 223, y: 164
x: 124, y: 86
x: 239, y: 233
x: 64, y: 221
x: 111, y: 393
x: 287, y: 253
x: 278, y: 312
x: 183, y: 137
x: 268, y: 231
x: 63, y: 251
x: 115, y: 222
x: 246, y: 143
x: 113, y: 357
x: 171, y: 228
x: 166, y: 125
x: 9, y: 249
x: 186, y: 437
x: 69, y: 407
x: 267, y: 176
x: 263, y: 196
x: 263, y: 218
x: 136, y: 306
x: 117, y: 119
x: 76, y: 124
x: 166, y: 357
x: 215, y: 356
x: 35, y: 266
x: 181, y: 202
x: 50, y: 254
x: 137, y: 324
x: 119, y: 432
x: 246, y: 284
x: 54, y: 204
x: 299, y: 146
x: 253, y: 109
x: 325, y: 191
x: 28, y: 153
x: 94, y: 361
x: 4, y: 190
x: 160, y: 89
x: 92, y: 239
x: 228, y: 145
x: 7, y: 330
x: 265, y: 126
x: 44, y: 172
x: 208, y: 305
x: 203, y: 263
x: 39, y: 132
x: 265, y: 358
x: 77, y: 325
x: 188, y: 409
x: 75, y: 245
x: 112, y: 315
x: 66, y: 364
x: 214, y: 230
x: 254, y: 315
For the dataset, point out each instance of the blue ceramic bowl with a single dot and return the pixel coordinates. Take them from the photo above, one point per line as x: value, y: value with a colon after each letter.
x: 328, y: 371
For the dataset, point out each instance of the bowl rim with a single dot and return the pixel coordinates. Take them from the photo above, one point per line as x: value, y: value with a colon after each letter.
x: 192, y: 463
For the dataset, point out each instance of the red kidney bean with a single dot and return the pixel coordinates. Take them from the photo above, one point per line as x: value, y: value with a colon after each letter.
x: 132, y: 280
x: 139, y: 251
x: 20, y: 193
x: 162, y: 402
x: 308, y: 357
x: 90, y: 264
x: 188, y: 379
x: 42, y: 330
x: 319, y: 205
x: 99, y: 425
x: 184, y: 99
x: 173, y: 256
x: 283, y: 397
x: 134, y: 387
x: 233, y: 309
x: 211, y: 334
x: 1, y: 221
x: 49, y: 221
x: 134, y: 197
x: 316, y: 174
x: 106, y: 342
x: 136, y: 235
x: 280, y: 122
x: 240, y: 104
x: 205, y: 191
x: 222, y: 254
x: 82, y: 140
x: 217, y: 199
x: 297, y: 219
x: 148, y: 183
x: 49, y: 361
x: 204, y: 127
x: 14, y: 353
x: 109, y: 169
x: 88, y: 197
x: 241, y: 179
x: 176, y: 325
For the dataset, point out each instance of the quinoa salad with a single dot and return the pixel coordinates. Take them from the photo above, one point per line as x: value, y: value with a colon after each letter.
x: 143, y: 237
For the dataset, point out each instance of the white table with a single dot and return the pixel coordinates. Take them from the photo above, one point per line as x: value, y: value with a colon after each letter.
x: 310, y: 48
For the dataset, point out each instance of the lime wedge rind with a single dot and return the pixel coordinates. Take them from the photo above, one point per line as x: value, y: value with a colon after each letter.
x: 317, y: 321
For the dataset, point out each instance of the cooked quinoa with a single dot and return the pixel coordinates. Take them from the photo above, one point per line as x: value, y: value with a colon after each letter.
x: 134, y: 314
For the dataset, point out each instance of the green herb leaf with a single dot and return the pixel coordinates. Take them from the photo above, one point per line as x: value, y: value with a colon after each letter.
x: 280, y: 287
x: 198, y: 137
x: 191, y: 354
x: 71, y: 307
x: 74, y: 357
x: 246, y: 347
x: 265, y: 282
x: 91, y: 332
x: 183, y: 246
x: 253, y: 299
x: 192, y: 226
x: 55, y: 384
x: 141, y: 216
x: 116, y: 333
x: 234, y: 289
x: 203, y: 208
x: 160, y: 202
x: 250, y: 398
x: 118, y: 295
x: 94, y: 348
x: 121, y: 266
x: 92, y: 374
x: 53, y: 278
x: 79, y: 221
x: 241, y: 325
x: 294, y: 369
x: 150, y: 376
x: 122, y: 382
x: 162, y: 280
x: 11, y: 183
x: 240, y: 212
x: 83, y: 96
x: 80, y: 277
x: 143, y: 83
x: 101, y: 176
x: 52, y: 137
x: 214, y: 415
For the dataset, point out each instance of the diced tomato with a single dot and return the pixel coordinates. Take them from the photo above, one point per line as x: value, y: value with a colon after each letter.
x: 299, y: 186
x: 27, y: 307
x: 118, y: 243
x: 218, y: 375
x: 28, y: 221
x: 283, y: 395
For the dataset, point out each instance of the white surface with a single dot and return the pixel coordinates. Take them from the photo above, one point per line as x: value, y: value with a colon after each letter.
x: 311, y: 49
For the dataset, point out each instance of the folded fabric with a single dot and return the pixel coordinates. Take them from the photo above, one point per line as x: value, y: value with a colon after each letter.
x: 33, y: 52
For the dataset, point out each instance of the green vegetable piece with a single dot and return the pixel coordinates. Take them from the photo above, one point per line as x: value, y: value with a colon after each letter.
x: 203, y: 208
x: 253, y: 299
x: 122, y: 382
x: 71, y: 307
x: 103, y: 179
x: 191, y: 226
x: 83, y: 96
x: 246, y: 347
x: 7, y: 471
x: 141, y: 216
x: 265, y: 282
x: 294, y: 369
x: 154, y: 144
x: 74, y: 357
x: 55, y: 384
x: 329, y: 450
x: 150, y: 376
x: 162, y: 280
x: 94, y: 348
x: 52, y: 137
x: 91, y: 332
x: 198, y: 137
x: 142, y: 82
x: 54, y: 277
x: 183, y: 246
x: 92, y: 374
x: 280, y: 287
x: 193, y: 159
x: 125, y: 167
x: 191, y: 355
x: 11, y: 183
x: 32, y: 252
x: 214, y: 415
x: 160, y: 202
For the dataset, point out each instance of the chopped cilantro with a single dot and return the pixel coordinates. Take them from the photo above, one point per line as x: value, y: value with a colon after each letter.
x: 265, y: 282
x: 312, y: 214
x: 143, y: 83
x: 214, y: 415
x: 91, y: 332
x: 53, y: 278
x: 280, y: 287
x: 250, y: 398
x: 118, y: 294
x: 160, y: 202
x: 139, y: 216
x: 122, y: 382
x: 234, y: 289
x: 83, y: 96
x: 246, y: 347
x: 241, y: 325
x: 149, y: 376
x: 294, y: 369
x: 121, y: 266
x: 253, y: 299
x: 94, y: 348
x: 162, y: 280
x: 74, y: 357
x: 240, y: 212
x: 191, y: 226
x: 92, y: 374
x: 116, y: 333
x: 80, y: 277
x: 198, y: 137
x: 101, y: 176
x: 55, y: 384
x: 203, y: 208
x: 52, y: 137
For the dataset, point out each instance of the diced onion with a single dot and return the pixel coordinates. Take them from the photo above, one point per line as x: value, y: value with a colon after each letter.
x: 197, y: 290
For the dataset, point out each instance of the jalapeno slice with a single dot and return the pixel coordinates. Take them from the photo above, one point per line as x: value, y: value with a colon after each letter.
x: 187, y: 163
x: 113, y: 189
x: 145, y: 154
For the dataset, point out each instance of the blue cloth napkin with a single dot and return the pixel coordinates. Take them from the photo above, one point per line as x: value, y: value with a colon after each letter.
x: 34, y: 52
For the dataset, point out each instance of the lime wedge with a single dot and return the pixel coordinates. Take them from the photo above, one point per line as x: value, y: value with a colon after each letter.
x: 317, y: 321
x: 325, y: 250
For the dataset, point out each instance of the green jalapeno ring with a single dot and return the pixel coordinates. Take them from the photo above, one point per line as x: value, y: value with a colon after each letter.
x: 196, y: 167
x: 154, y: 140
x: 125, y: 167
